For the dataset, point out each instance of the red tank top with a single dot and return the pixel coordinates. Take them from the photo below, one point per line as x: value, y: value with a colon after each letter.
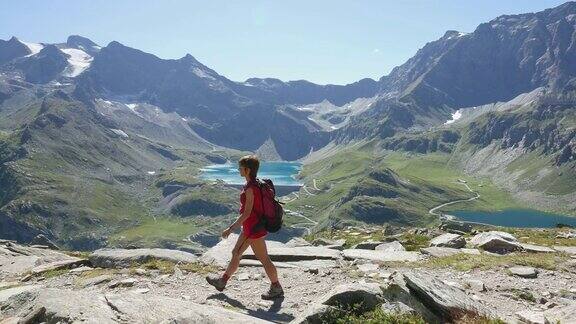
x: 249, y: 225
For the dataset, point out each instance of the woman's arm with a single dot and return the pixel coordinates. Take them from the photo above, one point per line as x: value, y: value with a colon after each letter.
x: 245, y: 214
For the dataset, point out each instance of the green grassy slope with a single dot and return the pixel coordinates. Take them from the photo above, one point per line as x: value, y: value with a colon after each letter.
x: 366, y: 184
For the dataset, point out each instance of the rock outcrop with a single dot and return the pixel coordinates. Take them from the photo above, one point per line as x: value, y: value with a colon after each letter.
x: 497, y: 242
x: 449, y: 240
x: 17, y: 260
x: 393, y: 246
x: 447, y: 301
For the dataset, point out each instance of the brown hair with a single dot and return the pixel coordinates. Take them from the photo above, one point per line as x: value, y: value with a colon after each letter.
x: 251, y: 162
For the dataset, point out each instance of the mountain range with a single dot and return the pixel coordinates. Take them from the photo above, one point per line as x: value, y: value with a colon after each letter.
x: 98, y: 143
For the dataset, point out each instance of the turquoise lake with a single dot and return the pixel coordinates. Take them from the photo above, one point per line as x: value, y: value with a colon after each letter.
x: 281, y: 173
x: 516, y: 218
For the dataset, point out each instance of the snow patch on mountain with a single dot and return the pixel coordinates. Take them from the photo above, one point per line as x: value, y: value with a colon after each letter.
x: 78, y: 61
x: 202, y: 74
x: 455, y: 116
x: 119, y: 132
x: 35, y: 48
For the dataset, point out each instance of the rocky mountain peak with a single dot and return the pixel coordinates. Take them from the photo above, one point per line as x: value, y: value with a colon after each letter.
x: 83, y: 43
x: 12, y: 49
x: 189, y: 59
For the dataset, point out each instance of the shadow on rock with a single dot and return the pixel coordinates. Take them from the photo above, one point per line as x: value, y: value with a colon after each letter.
x: 272, y: 314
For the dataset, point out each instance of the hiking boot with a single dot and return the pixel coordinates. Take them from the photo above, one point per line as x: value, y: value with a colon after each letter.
x: 217, y: 282
x: 275, y: 291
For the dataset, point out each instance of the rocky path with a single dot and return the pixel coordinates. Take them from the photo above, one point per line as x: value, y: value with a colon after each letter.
x: 158, y: 285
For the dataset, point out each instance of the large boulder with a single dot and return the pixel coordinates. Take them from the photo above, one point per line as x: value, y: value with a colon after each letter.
x: 449, y: 240
x: 365, y: 296
x: 357, y: 297
x: 397, y: 294
x: 447, y: 301
x: 315, y: 314
x: 393, y: 246
x: 121, y: 258
x: 382, y: 256
x: 497, y: 242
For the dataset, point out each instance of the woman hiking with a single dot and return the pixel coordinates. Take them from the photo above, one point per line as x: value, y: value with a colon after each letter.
x: 253, y: 233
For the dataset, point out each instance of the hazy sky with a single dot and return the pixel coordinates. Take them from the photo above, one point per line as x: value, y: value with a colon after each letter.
x: 324, y: 41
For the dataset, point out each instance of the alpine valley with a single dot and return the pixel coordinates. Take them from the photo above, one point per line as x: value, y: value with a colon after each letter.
x: 103, y: 145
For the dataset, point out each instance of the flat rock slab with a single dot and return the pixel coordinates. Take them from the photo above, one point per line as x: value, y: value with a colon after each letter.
x: 524, y: 272
x: 439, y: 252
x: 449, y: 240
x: 61, y: 306
x: 393, y: 246
x: 565, y: 249
x: 536, y: 248
x: 382, y: 256
x: 130, y: 307
x: 121, y: 258
x: 138, y: 308
x: 57, y: 265
x: 7, y: 293
x: 17, y: 260
x: 447, y: 301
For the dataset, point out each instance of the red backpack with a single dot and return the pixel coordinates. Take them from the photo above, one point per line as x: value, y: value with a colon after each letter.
x: 273, y: 212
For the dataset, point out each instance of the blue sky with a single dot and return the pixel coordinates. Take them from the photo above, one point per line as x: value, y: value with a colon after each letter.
x: 323, y: 41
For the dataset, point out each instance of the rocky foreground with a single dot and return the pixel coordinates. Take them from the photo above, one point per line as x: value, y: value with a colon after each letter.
x: 489, y: 276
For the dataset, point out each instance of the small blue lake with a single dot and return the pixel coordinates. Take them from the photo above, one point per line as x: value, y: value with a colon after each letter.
x: 281, y: 173
x: 515, y: 218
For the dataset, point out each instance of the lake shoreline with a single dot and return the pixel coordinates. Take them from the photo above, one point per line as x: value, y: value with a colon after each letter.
x: 518, y: 218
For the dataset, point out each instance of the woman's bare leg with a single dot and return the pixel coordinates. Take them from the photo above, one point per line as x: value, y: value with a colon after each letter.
x: 241, y: 245
x: 261, y: 252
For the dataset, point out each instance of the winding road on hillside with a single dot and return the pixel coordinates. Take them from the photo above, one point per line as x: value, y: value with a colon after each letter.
x: 433, y: 210
x: 305, y: 225
x: 309, y: 222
